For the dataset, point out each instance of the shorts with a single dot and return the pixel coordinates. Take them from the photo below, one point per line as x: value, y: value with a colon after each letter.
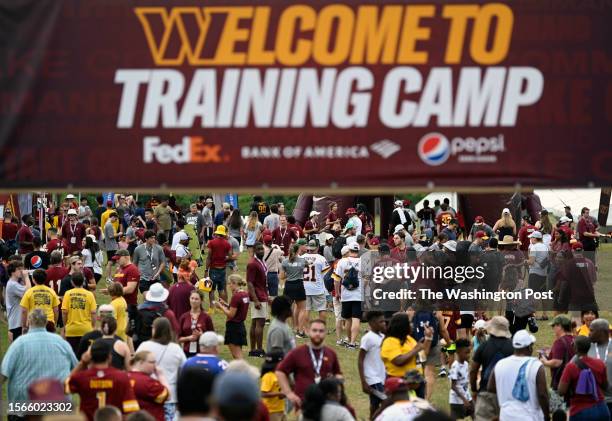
x: 467, y: 320
x: 208, y: 233
x: 375, y: 401
x: 316, y: 302
x: 433, y: 358
x: 537, y: 282
x: 351, y: 310
x: 50, y: 326
x: 110, y: 254
x: 217, y: 276
x: 235, y: 334
x: 337, y: 309
x: 294, y: 290
x: 16, y: 332
x: 262, y: 313
x: 272, y: 279
x: 144, y: 285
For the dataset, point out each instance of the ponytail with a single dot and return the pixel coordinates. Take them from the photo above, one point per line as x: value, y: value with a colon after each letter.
x: 108, y: 325
x: 293, y: 252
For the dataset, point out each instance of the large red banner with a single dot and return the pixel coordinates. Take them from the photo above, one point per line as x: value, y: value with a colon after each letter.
x: 274, y: 94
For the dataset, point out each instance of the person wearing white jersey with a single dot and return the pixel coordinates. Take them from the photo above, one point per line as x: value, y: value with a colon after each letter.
x: 349, y: 286
x: 313, y: 282
x: 520, y: 383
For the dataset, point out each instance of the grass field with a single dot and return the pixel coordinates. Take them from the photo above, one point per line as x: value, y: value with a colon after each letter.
x: 348, y: 358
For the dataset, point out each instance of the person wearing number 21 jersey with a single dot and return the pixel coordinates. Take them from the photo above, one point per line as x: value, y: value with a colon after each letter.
x: 100, y: 384
x: 313, y: 281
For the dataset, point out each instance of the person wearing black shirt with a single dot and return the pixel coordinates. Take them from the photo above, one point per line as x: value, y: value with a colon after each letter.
x: 36, y: 259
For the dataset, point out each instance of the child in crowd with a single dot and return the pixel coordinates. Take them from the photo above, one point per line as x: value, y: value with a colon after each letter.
x: 370, y: 365
x: 236, y: 312
x: 459, y: 396
x: 480, y: 334
x: 271, y: 394
x: 123, y: 244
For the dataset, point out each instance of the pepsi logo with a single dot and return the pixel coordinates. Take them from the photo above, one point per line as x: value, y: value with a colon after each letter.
x: 36, y: 262
x: 434, y: 149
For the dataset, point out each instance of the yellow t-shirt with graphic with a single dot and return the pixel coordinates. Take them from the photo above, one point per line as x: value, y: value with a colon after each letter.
x: 79, y: 303
x: 43, y: 297
x: 392, y: 348
x: 269, y: 384
x: 104, y: 218
x: 120, y: 306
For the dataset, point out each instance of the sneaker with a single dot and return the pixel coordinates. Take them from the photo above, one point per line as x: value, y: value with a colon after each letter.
x: 342, y: 342
x: 262, y: 353
x: 254, y: 353
x: 352, y: 346
x: 301, y: 335
x: 442, y: 372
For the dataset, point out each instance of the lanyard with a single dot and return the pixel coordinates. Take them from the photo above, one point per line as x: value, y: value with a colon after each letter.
x: 316, y: 364
x: 73, y: 227
x: 263, y: 265
x: 283, y: 235
x: 597, y: 351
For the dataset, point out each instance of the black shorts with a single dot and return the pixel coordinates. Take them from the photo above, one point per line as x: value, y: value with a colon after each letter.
x: 144, y: 285
x: 467, y: 320
x: 110, y: 254
x: 351, y: 309
x: 294, y: 290
x: 537, y: 282
x: 458, y: 411
x: 235, y: 333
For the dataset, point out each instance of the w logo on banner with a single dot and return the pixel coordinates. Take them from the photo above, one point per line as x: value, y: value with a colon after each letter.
x: 385, y: 148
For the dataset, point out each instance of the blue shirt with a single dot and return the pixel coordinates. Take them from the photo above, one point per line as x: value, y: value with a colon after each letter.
x: 208, y: 362
x: 35, y: 355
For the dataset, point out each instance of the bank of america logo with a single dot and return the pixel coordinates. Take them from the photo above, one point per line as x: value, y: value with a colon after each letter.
x: 385, y: 148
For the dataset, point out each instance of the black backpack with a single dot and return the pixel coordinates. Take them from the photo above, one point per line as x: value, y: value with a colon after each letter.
x: 351, y: 279
x: 144, y: 322
x: 328, y: 279
x: 339, y: 242
x: 486, y: 372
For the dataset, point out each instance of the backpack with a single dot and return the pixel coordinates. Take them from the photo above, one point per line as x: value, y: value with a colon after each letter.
x: 144, y: 322
x: 328, y: 279
x: 422, y: 319
x: 351, y: 279
x: 337, y: 245
x: 523, y: 307
x: 486, y: 372
x: 586, y: 384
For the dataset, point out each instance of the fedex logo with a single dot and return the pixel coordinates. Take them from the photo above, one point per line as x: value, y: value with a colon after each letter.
x: 191, y: 150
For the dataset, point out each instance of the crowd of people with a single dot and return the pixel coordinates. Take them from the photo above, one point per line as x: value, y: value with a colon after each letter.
x: 153, y: 352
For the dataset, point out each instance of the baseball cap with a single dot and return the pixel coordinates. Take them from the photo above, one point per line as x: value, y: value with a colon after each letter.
x: 120, y: 253
x: 72, y: 212
x: 394, y: 384
x: 375, y: 241
x: 398, y: 228
x: 344, y: 250
x: 209, y: 339
x: 267, y: 239
x: 301, y: 242
x: 234, y: 386
x: 480, y: 324
x: 182, y: 236
x: 312, y: 244
x: 350, y: 225
x: 351, y: 211
x: 564, y: 219
x: 522, y: 339
x: 562, y: 320
x: 106, y: 308
x: 451, y: 245
x: 314, y: 213
x: 109, y: 203
x: 577, y: 246
x: 479, y: 219
x: 327, y: 236
x: 70, y: 196
x: 506, y: 210
x: 399, y: 203
x: 354, y: 247
x: 535, y: 234
x: 209, y: 200
x: 481, y: 234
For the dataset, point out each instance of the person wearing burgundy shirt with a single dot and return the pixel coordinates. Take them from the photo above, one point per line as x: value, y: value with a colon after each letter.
x: 524, y: 232
x: 10, y: 226
x: 178, y: 299
x: 587, y: 230
x: 236, y: 312
x: 308, y: 363
x: 578, y: 276
x: 73, y: 232
x: 25, y: 235
x: 56, y: 271
x: 151, y: 392
x: 128, y: 276
x: 283, y: 235
x: 399, y: 251
x: 193, y: 324
x: 256, y: 275
x: 56, y: 243
x: 311, y: 227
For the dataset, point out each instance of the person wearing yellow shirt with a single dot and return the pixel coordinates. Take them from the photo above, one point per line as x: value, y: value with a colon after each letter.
x: 271, y: 394
x: 399, y: 350
x: 40, y: 296
x: 78, y: 311
x: 587, y: 316
x: 115, y: 290
x: 106, y: 214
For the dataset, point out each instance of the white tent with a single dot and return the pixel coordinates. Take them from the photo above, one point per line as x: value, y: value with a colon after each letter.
x: 554, y: 200
x: 437, y: 196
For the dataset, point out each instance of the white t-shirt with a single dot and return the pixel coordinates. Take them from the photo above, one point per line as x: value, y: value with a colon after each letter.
x: 313, y: 278
x: 506, y: 372
x: 175, y: 240
x: 373, y: 366
x: 343, y: 266
x: 356, y: 223
x: 95, y: 264
x: 181, y: 251
x: 460, y: 373
x: 170, y: 358
x: 540, y: 252
x: 404, y: 410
